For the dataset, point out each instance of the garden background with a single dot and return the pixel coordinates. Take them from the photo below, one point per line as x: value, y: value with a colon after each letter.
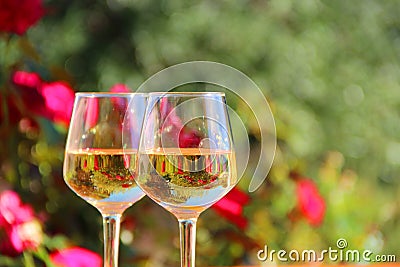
x: 329, y: 69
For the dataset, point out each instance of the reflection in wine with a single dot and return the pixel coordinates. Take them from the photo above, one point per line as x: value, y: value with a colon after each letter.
x: 103, y: 177
x: 187, y: 178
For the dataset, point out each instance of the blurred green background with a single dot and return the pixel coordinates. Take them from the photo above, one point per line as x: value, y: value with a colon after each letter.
x: 329, y: 69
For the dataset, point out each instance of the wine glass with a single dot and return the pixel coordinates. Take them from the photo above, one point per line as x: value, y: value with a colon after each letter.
x: 96, y: 167
x: 186, y: 158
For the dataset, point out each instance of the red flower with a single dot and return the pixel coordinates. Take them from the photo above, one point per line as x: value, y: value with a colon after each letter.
x: 189, y: 138
x: 53, y: 101
x: 28, y: 84
x: 17, y: 16
x: 310, y: 202
x: 231, y: 207
x: 76, y: 257
x: 19, y: 228
x: 169, y: 116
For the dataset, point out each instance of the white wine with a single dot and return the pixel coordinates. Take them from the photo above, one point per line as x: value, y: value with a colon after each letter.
x: 187, y: 178
x: 103, y: 177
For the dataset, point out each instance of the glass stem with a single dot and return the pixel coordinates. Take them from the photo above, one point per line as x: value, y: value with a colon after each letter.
x: 111, y: 225
x: 187, y: 230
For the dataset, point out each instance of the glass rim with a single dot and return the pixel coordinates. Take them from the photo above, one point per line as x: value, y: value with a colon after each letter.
x: 108, y: 94
x: 187, y: 93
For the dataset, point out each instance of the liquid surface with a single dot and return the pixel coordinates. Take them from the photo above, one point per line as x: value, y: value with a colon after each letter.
x: 103, y: 177
x: 187, y: 179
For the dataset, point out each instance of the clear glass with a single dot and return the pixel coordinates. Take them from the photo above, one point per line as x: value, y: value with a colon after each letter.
x: 96, y: 167
x: 186, y: 158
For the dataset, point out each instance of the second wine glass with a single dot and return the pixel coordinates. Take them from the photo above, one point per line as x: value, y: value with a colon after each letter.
x: 186, y: 158
x: 96, y: 165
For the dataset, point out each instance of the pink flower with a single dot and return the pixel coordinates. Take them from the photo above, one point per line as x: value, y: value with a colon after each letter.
x: 27, y: 79
x: 310, y: 202
x: 59, y: 101
x: 19, y: 228
x: 231, y: 207
x: 120, y: 104
x: 21, y: 237
x: 91, y: 113
x: 76, y: 257
x: 120, y: 88
x: 27, y: 84
x: 12, y: 210
x: 182, y: 135
x: 53, y: 101
x: 16, y: 16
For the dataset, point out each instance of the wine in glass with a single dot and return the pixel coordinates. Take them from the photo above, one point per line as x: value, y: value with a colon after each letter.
x: 96, y: 167
x: 186, y: 158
